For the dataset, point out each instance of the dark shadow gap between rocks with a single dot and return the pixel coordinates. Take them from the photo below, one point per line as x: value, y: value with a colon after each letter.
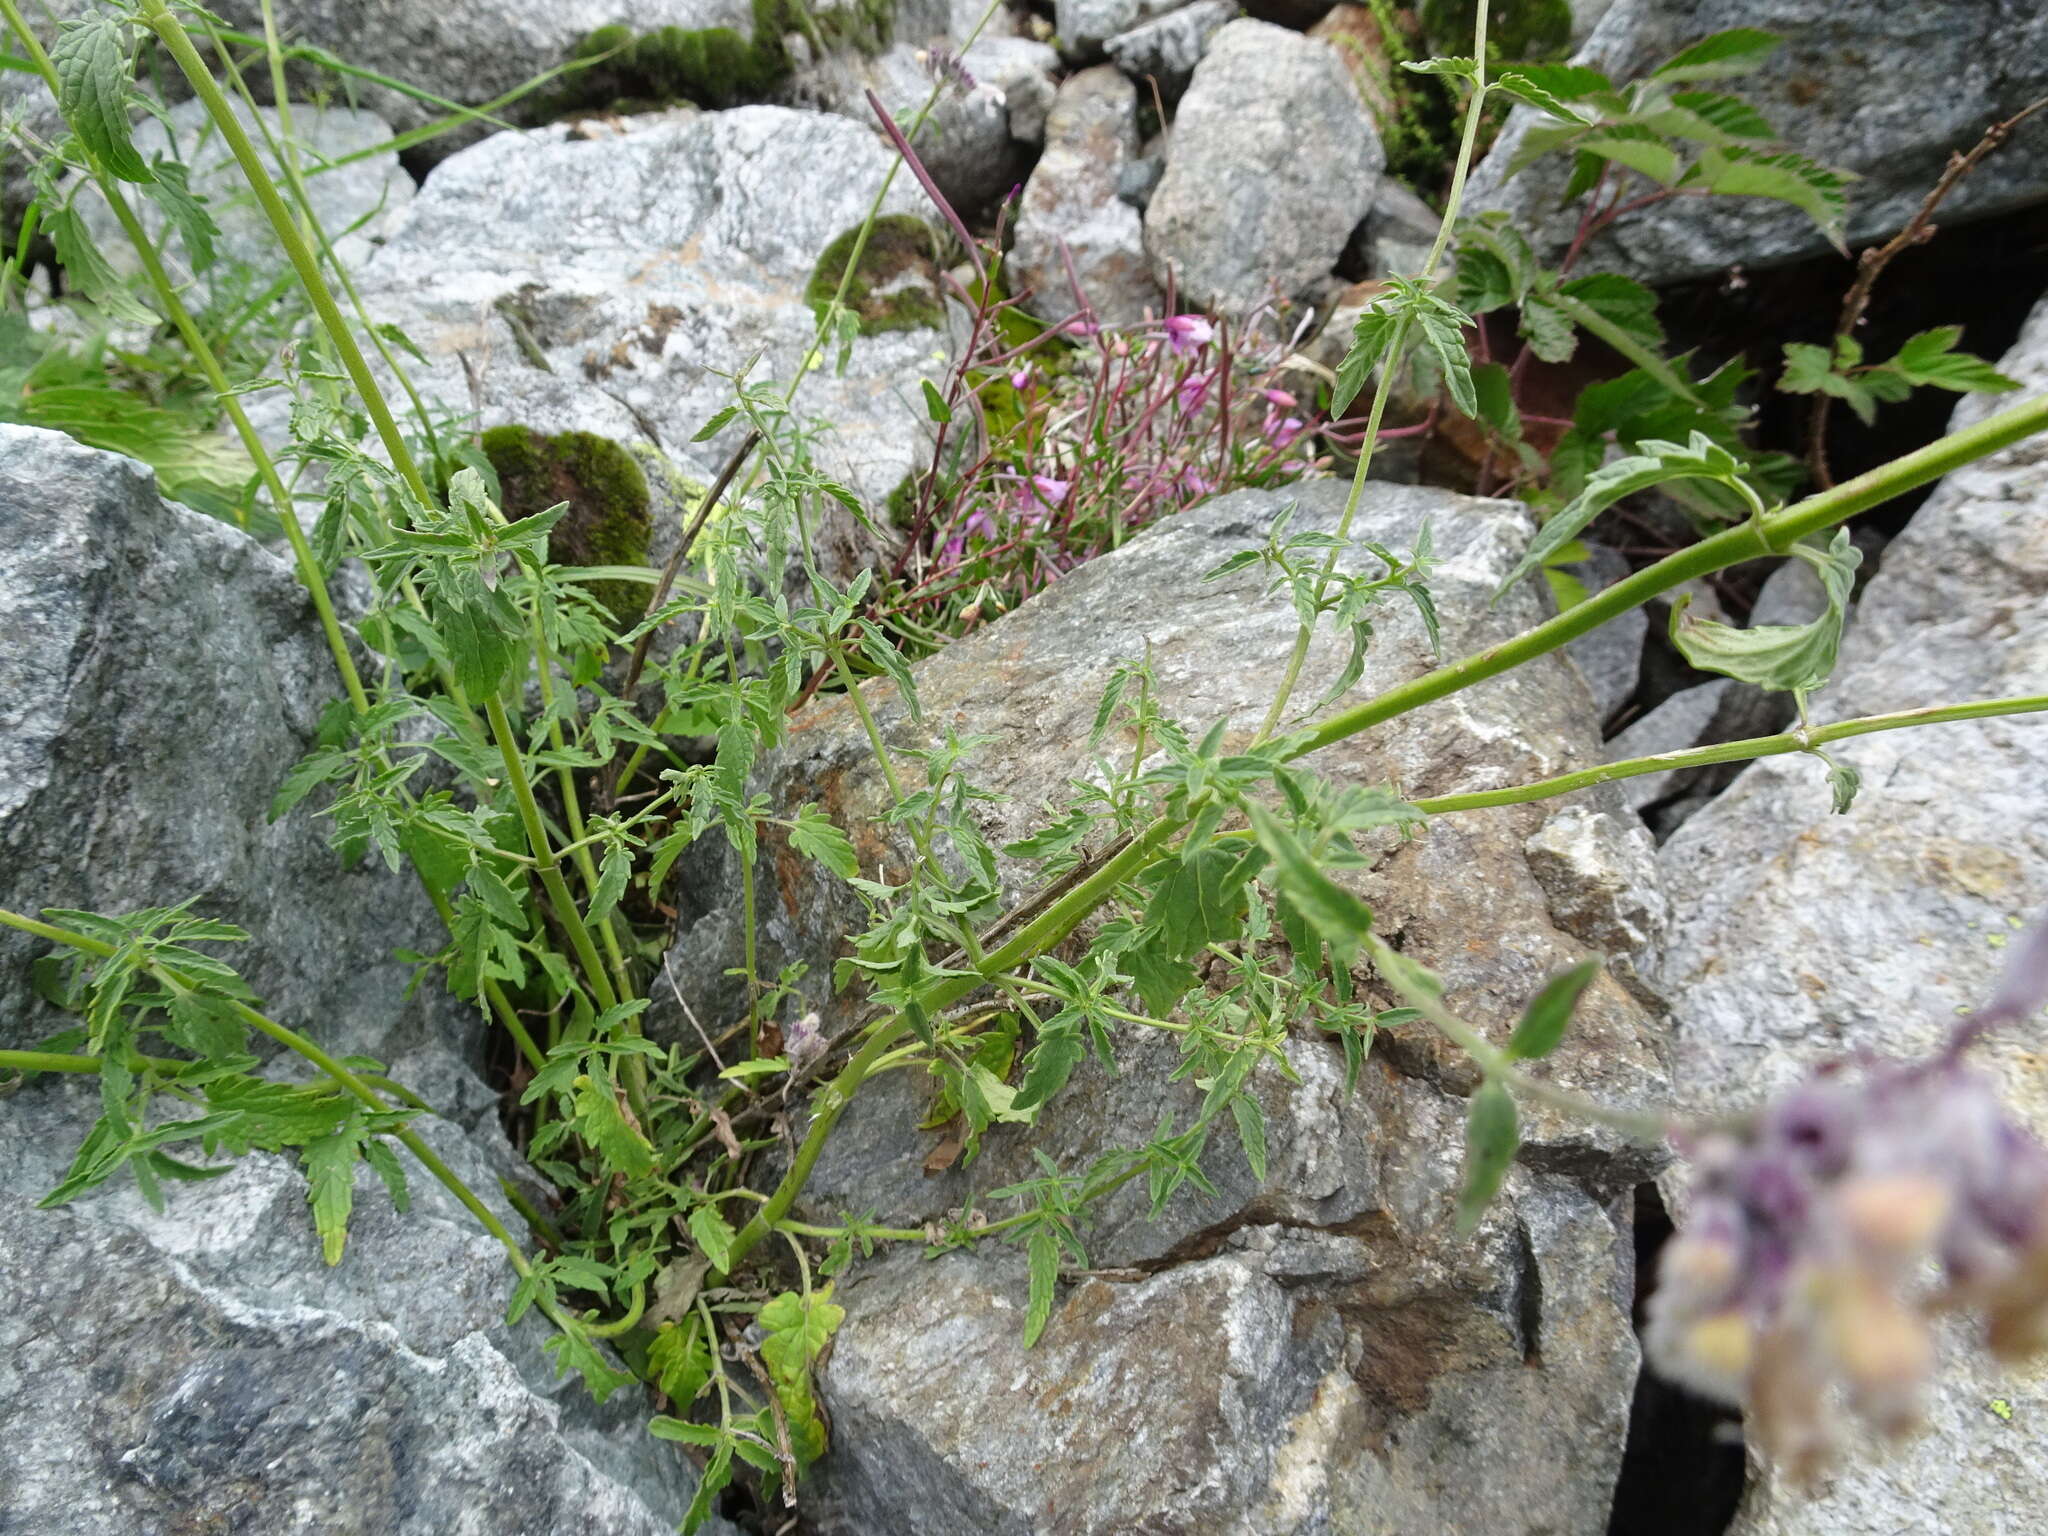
x: 1682, y: 1472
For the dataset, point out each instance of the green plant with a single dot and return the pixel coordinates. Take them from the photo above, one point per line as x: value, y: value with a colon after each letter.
x: 562, y: 808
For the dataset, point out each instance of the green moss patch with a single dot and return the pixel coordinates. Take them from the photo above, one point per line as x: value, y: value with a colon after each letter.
x: 896, y: 285
x: 608, y: 521
x: 712, y: 66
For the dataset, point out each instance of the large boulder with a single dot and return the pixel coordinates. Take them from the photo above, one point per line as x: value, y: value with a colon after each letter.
x: 203, y: 1367
x: 1273, y: 162
x: 1799, y: 936
x: 1071, y: 210
x: 1885, y: 91
x: 161, y: 675
x: 1345, y: 1361
x: 356, y: 203
x: 612, y: 284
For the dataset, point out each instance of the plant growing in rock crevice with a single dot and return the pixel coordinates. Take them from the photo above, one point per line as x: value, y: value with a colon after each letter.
x: 569, y: 807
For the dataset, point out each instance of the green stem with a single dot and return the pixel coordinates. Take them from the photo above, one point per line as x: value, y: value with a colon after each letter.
x: 1390, y: 367
x: 216, y: 377
x: 544, y: 861
x: 1802, y: 740
x: 1751, y: 540
x: 173, y: 36
x: 1499, y: 1065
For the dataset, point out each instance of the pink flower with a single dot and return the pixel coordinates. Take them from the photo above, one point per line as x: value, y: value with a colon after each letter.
x: 1196, y: 484
x: 1281, y: 398
x: 1082, y: 325
x: 1185, y: 333
x: 1021, y: 380
x: 1281, y: 431
x: 1051, y: 491
x: 1194, y: 389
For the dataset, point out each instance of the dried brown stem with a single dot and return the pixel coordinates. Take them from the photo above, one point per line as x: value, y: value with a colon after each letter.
x: 1870, y: 266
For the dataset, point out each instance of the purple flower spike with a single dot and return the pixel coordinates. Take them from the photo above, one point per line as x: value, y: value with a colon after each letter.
x: 1826, y: 1233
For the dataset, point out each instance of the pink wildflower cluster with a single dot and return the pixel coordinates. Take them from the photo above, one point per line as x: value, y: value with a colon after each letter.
x: 1825, y: 1235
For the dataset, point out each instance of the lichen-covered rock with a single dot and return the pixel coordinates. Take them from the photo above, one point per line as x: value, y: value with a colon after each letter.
x: 1800, y: 936
x: 607, y: 522
x: 608, y: 285
x: 1072, y: 200
x: 202, y: 1367
x: 1385, y: 1368
x: 162, y: 672
x: 1885, y: 91
x: 1273, y: 162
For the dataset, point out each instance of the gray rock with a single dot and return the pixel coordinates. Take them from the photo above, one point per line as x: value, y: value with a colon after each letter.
x: 1681, y: 721
x: 1400, y: 232
x: 1073, y: 200
x: 204, y: 1366
x: 1024, y: 71
x: 204, y: 1369
x: 162, y: 673
x: 1274, y: 160
x: 1599, y: 869
x: 1885, y: 91
x: 1611, y: 657
x: 1800, y: 936
x: 1354, y: 1365
x: 967, y: 143
x: 356, y: 204
x: 605, y: 285
x: 1084, y: 26
x: 468, y: 51
x: 1167, y: 48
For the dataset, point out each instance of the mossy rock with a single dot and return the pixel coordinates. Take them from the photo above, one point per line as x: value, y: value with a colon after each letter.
x: 712, y: 66
x: 896, y: 285
x: 608, y: 521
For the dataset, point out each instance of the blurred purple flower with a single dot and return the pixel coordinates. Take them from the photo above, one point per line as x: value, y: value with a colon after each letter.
x: 1825, y: 1233
x: 1194, y: 389
x: 1187, y: 333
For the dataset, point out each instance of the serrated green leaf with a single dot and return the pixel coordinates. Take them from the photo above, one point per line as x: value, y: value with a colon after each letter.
x: 1778, y: 657
x: 1931, y: 358
x: 1549, y: 1012
x: 1737, y: 51
x: 206, y: 1026
x: 1251, y: 1133
x: 1372, y: 337
x: 1637, y: 148
x: 816, y: 837
x: 1622, y: 301
x: 1443, y: 332
x: 1448, y: 68
x: 612, y: 875
x: 87, y: 271
x: 331, y: 1186
x: 600, y: 1122
x: 1844, y: 780
x: 575, y: 1351
x: 1549, y: 330
x: 1727, y: 115
x: 1340, y: 918
x: 1043, y: 1256
x: 1197, y: 900
x: 713, y: 1235
x: 91, y: 61
x: 385, y: 1164
x: 1523, y: 86
x: 1491, y: 1140
x: 1732, y: 171
x: 1495, y: 393
x: 1660, y: 463
x: 170, y: 191
x: 795, y: 1330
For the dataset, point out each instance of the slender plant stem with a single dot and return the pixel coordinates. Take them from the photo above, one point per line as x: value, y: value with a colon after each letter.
x: 1390, y: 368
x: 166, y: 293
x: 1498, y: 1065
x: 1802, y: 740
x: 159, y: 20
